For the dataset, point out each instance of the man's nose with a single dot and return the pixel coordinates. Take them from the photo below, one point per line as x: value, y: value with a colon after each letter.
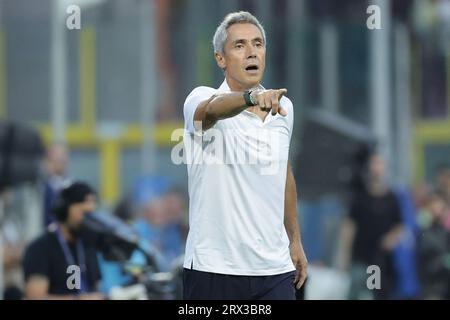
x: 251, y: 52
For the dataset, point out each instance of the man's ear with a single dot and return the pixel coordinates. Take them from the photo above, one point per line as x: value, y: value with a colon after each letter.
x: 220, y: 59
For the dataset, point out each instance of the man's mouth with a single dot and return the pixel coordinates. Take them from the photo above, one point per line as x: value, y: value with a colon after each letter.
x: 252, y: 68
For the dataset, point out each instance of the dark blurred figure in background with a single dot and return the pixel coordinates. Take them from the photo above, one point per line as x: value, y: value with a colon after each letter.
x: 443, y: 181
x: 13, y: 245
x: 48, y: 258
x: 55, y: 163
x: 125, y: 210
x: 371, y: 232
x: 113, y: 272
x: 434, y: 249
x: 443, y: 187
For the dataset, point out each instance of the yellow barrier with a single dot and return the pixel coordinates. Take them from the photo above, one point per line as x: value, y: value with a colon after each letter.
x: 88, y: 77
x: 428, y: 132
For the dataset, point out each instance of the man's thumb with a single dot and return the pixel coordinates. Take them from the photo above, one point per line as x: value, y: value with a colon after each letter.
x: 281, y: 93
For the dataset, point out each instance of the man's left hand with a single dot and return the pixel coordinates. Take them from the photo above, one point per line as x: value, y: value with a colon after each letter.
x: 300, y: 262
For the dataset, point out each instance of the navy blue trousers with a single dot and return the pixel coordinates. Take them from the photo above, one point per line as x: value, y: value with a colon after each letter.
x: 199, y: 285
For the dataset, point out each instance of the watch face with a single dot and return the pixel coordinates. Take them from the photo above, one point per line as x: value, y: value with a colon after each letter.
x: 248, y: 98
x: 251, y: 98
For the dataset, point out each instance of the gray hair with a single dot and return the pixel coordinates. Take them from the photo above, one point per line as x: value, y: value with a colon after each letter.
x: 221, y: 35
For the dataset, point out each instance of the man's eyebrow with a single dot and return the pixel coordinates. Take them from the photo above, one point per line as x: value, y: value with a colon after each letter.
x: 239, y: 41
x: 245, y: 40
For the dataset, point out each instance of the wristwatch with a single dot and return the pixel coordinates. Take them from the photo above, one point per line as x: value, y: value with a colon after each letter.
x: 249, y: 99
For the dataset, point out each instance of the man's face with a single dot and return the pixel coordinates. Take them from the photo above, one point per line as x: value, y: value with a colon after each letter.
x: 443, y: 181
x: 244, y: 58
x: 77, y: 212
x: 437, y: 207
x: 57, y: 160
x: 174, y: 207
x: 154, y: 212
x: 377, y: 168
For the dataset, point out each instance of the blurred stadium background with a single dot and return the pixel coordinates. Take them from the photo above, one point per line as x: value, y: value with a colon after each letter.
x: 113, y: 92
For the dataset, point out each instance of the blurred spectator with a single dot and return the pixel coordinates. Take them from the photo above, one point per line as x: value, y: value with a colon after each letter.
x: 443, y: 187
x: 125, y: 210
x: 434, y: 250
x: 55, y: 163
x: 420, y: 195
x: 113, y: 272
x: 12, y: 251
x: 405, y: 255
x: 175, y: 209
x: 158, y: 225
x: 372, y: 231
x: 443, y: 181
x: 158, y: 235
x: 47, y: 258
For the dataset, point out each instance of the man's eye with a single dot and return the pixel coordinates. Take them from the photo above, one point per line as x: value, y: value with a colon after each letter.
x: 239, y: 46
x: 259, y: 44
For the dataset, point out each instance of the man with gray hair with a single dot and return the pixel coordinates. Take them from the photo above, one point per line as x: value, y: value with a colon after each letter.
x: 244, y: 238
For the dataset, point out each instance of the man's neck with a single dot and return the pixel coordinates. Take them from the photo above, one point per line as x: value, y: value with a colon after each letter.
x: 65, y: 232
x: 377, y: 188
x: 235, y: 86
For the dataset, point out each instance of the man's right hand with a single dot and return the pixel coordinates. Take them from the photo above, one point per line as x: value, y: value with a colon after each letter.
x: 269, y: 100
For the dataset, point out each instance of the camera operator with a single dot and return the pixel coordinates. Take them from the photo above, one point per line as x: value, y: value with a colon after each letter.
x: 61, y: 264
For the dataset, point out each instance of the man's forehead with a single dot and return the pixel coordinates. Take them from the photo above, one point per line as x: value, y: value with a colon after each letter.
x: 247, y: 31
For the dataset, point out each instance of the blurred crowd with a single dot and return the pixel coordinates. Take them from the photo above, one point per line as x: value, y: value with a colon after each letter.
x: 155, y: 208
x: 433, y: 249
x: 404, y: 233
